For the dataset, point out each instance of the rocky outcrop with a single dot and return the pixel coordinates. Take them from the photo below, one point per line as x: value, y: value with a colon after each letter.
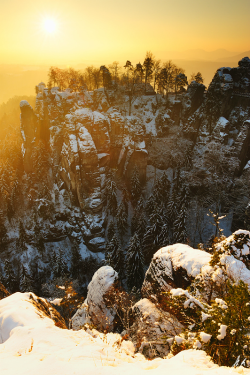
x: 242, y: 146
x: 194, y: 97
x: 3, y: 291
x: 151, y: 327
x: 173, y: 266
x: 95, y: 311
x: 79, y: 163
x: 44, y: 308
x: 28, y: 132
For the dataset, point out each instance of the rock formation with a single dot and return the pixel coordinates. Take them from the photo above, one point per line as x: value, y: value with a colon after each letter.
x: 94, y: 311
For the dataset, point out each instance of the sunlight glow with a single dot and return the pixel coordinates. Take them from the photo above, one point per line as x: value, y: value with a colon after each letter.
x: 50, y: 25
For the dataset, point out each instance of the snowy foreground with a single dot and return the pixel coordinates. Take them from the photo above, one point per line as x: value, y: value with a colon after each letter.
x: 32, y: 344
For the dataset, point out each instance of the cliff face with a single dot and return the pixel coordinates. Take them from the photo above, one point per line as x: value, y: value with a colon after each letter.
x: 86, y: 137
x: 83, y: 144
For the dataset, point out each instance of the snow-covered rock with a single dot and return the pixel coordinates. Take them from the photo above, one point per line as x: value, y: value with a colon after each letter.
x: 94, y: 310
x: 33, y: 344
x: 26, y: 309
x: 173, y: 266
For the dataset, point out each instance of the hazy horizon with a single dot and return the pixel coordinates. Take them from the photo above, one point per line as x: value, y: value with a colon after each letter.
x: 62, y: 32
x: 20, y: 79
x: 196, y: 36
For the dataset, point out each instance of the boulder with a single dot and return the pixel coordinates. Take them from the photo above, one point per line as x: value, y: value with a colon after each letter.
x: 173, y: 266
x: 151, y: 328
x: 97, y: 244
x: 94, y: 310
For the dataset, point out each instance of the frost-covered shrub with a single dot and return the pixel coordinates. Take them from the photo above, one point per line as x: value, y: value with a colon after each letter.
x: 185, y: 307
x: 221, y: 329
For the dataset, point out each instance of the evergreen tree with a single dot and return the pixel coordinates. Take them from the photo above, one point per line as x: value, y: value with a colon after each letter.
x: 26, y: 284
x: 150, y: 204
x: 152, y: 238
x: 136, y: 188
x: 134, y: 263
x: 9, y: 279
x: 3, y: 231
x: 40, y: 246
x: 35, y: 276
x: 60, y: 268
x: 172, y: 208
x: 109, y: 195
x: 141, y: 226
x: 111, y: 230
x: 163, y: 238
x: 179, y: 227
x: 183, y: 197
x: 164, y: 188
x: 148, y: 65
x: 22, y: 237
x: 114, y: 255
x: 122, y: 218
x: 76, y: 261
x: 10, y: 209
x: 125, y: 199
x: 188, y: 161
x: 198, y: 77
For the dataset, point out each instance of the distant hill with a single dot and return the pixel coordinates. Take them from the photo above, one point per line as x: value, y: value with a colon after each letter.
x: 196, y: 54
x: 236, y: 58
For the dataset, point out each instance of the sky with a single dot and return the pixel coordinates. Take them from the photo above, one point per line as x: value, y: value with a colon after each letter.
x: 109, y: 30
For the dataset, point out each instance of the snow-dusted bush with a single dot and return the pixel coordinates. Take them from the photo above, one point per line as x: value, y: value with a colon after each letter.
x: 221, y: 329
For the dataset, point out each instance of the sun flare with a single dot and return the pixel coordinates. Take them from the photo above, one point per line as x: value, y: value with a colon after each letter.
x: 50, y: 25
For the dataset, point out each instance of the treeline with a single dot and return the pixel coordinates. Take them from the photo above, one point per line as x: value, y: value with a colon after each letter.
x: 164, y: 77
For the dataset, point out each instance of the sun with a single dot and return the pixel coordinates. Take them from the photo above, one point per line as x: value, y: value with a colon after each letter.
x: 49, y: 25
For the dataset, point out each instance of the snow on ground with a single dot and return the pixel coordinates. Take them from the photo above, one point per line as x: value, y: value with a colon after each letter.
x: 33, y: 345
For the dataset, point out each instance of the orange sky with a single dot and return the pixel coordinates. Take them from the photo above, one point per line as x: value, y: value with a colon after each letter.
x: 111, y: 30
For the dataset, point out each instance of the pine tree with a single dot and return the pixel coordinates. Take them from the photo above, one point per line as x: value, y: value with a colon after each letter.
x: 76, y: 261
x: 125, y: 199
x: 35, y: 276
x: 138, y: 217
x: 114, y: 255
x: 172, y: 208
x: 10, y: 209
x: 152, y: 238
x: 22, y: 237
x: 163, y: 238
x: 111, y: 230
x: 150, y: 204
x: 198, y: 77
x: 9, y: 279
x: 183, y: 197
x: 60, y: 268
x: 188, y: 162
x: 141, y: 226
x: 134, y: 263
x: 109, y: 195
x: 161, y: 190
x: 136, y: 188
x: 3, y: 231
x: 26, y: 284
x: 122, y: 218
x: 179, y: 227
